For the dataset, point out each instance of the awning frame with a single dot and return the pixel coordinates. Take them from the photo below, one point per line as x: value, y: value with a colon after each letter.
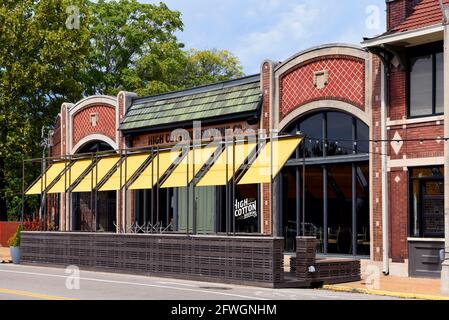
x: 222, y: 146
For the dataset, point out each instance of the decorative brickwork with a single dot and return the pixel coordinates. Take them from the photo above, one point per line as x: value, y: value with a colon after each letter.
x: 345, y: 82
x: 376, y: 173
x: 83, y: 125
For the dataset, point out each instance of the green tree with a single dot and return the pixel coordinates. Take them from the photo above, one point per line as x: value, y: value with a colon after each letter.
x: 125, y: 34
x: 210, y: 66
x: 134, y: 48
x: 41, y: 54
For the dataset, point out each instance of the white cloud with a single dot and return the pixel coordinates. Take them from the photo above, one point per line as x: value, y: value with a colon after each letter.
x: 294, y: 24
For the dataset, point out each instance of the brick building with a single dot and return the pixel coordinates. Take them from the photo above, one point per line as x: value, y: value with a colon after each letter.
x: 367, y: 179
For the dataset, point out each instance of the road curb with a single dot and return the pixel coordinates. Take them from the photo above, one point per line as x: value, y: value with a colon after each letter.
x: 384, y: 293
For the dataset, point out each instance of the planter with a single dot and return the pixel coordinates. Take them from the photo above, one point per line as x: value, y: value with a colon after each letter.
x: 15, y: 254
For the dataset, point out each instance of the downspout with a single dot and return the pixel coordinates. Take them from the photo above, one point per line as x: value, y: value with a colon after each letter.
x: 445, y: 264
x: 385, y: 204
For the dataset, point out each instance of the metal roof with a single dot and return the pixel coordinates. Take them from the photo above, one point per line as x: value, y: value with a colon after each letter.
x: 230, y: 98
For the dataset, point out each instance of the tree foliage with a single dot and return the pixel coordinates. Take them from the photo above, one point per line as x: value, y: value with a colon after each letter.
x: 39, y: 60
x: 118, y: 45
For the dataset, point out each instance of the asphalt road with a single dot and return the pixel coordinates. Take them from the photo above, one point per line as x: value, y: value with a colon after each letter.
x: 29, y: 282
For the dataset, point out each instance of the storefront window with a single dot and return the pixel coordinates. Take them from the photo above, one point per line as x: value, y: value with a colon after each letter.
x: 339, y: 134
x: 331, y: 134
x: 336, y: 191
x: 427, y: 202
x: 339, y: 186
x: 246, y: 208
x: 314, y: 205
x: 313, y: 128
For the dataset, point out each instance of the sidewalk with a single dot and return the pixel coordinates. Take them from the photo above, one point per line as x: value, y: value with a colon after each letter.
x: 4, y: 255
x: 401, y: 287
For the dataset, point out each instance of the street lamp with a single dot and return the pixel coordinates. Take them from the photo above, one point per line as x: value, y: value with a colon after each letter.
x: 46, y: 143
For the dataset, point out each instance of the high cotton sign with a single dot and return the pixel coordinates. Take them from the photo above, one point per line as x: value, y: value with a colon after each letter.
x: 245, y: 209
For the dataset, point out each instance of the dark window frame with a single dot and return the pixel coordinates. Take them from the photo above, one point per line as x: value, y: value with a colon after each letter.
x: 420, y: 51
x: 411, y: 179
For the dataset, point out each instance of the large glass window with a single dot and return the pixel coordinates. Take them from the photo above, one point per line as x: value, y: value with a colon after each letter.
x: 427, y: 202
x: 426, y: 81
x: 339, y: 186
x: 313, y: 128
x: 332, y: 133
x: 336, y: 191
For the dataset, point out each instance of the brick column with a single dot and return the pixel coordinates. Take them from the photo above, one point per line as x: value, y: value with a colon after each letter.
x: 266, y: 124
x: 124, y: 101
x: 305, y: 256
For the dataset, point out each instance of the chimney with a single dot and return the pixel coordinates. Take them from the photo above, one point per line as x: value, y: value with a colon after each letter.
x: 398, y: 11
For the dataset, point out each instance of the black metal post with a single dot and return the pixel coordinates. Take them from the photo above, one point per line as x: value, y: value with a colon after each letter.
x: 193, y: 187
x: 227, y: 209
x: 23, y: 191
x: 152, y: 190
x: 157, y: 190
x: 123, y: 183
x: 325, y: 222
x: 271, y: 184
x: 304, y: 186
x: 233, y: 183
x: 187, y: 191
x: 354, y: 210
x: 97, y: 220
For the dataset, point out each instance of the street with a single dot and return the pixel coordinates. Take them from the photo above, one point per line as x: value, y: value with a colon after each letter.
x: 43, y: 283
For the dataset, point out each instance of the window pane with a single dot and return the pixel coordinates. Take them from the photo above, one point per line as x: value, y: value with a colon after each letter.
x: 427, y: 202
x: 339, y: 134
x: 313, y: 128
x: 363, y: 227
x: 314, y: 204
x: 421, y: 86
x: 339, y: 186
x: 439, y: 83
x: 433, y: 208
x: 362, y: 137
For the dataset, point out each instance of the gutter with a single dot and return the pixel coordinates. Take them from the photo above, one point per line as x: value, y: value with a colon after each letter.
x: 385, y: 202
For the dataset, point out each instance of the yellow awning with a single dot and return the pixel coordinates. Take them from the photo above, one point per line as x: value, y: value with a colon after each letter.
x: 195, y: 158
x: 216, y: 175
x: 130, y: 166
x: 47, y: 178
x: 153, y: 172
x: 92, y: 178
x: 260, y: 170
x: 69, y: 177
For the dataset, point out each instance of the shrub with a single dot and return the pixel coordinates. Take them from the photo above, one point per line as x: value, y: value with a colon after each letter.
x: 14, y: 241
x: 33, y: 225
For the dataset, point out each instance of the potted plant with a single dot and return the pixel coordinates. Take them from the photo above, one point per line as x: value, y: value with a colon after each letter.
x: 14, y: 245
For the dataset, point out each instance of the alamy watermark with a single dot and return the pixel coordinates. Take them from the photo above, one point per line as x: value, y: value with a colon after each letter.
x: 72, y: 281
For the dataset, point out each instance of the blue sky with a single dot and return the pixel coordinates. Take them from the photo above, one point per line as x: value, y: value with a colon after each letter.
x: 255, y: 30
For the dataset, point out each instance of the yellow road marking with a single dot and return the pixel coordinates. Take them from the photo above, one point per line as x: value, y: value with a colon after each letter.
x: 32, y: 294
x: 403, y: 295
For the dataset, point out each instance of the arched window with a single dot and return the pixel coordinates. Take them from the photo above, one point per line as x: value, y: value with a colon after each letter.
x: 331, y: 133
x: 336, y: 184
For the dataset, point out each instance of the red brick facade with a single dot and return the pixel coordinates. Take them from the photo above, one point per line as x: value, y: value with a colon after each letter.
x: 266, y: 124
x: 376, y: 165
x: 346, y: 82
x: 84, y: 126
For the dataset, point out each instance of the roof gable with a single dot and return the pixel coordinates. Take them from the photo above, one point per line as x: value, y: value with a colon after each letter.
x: 426, y: 13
